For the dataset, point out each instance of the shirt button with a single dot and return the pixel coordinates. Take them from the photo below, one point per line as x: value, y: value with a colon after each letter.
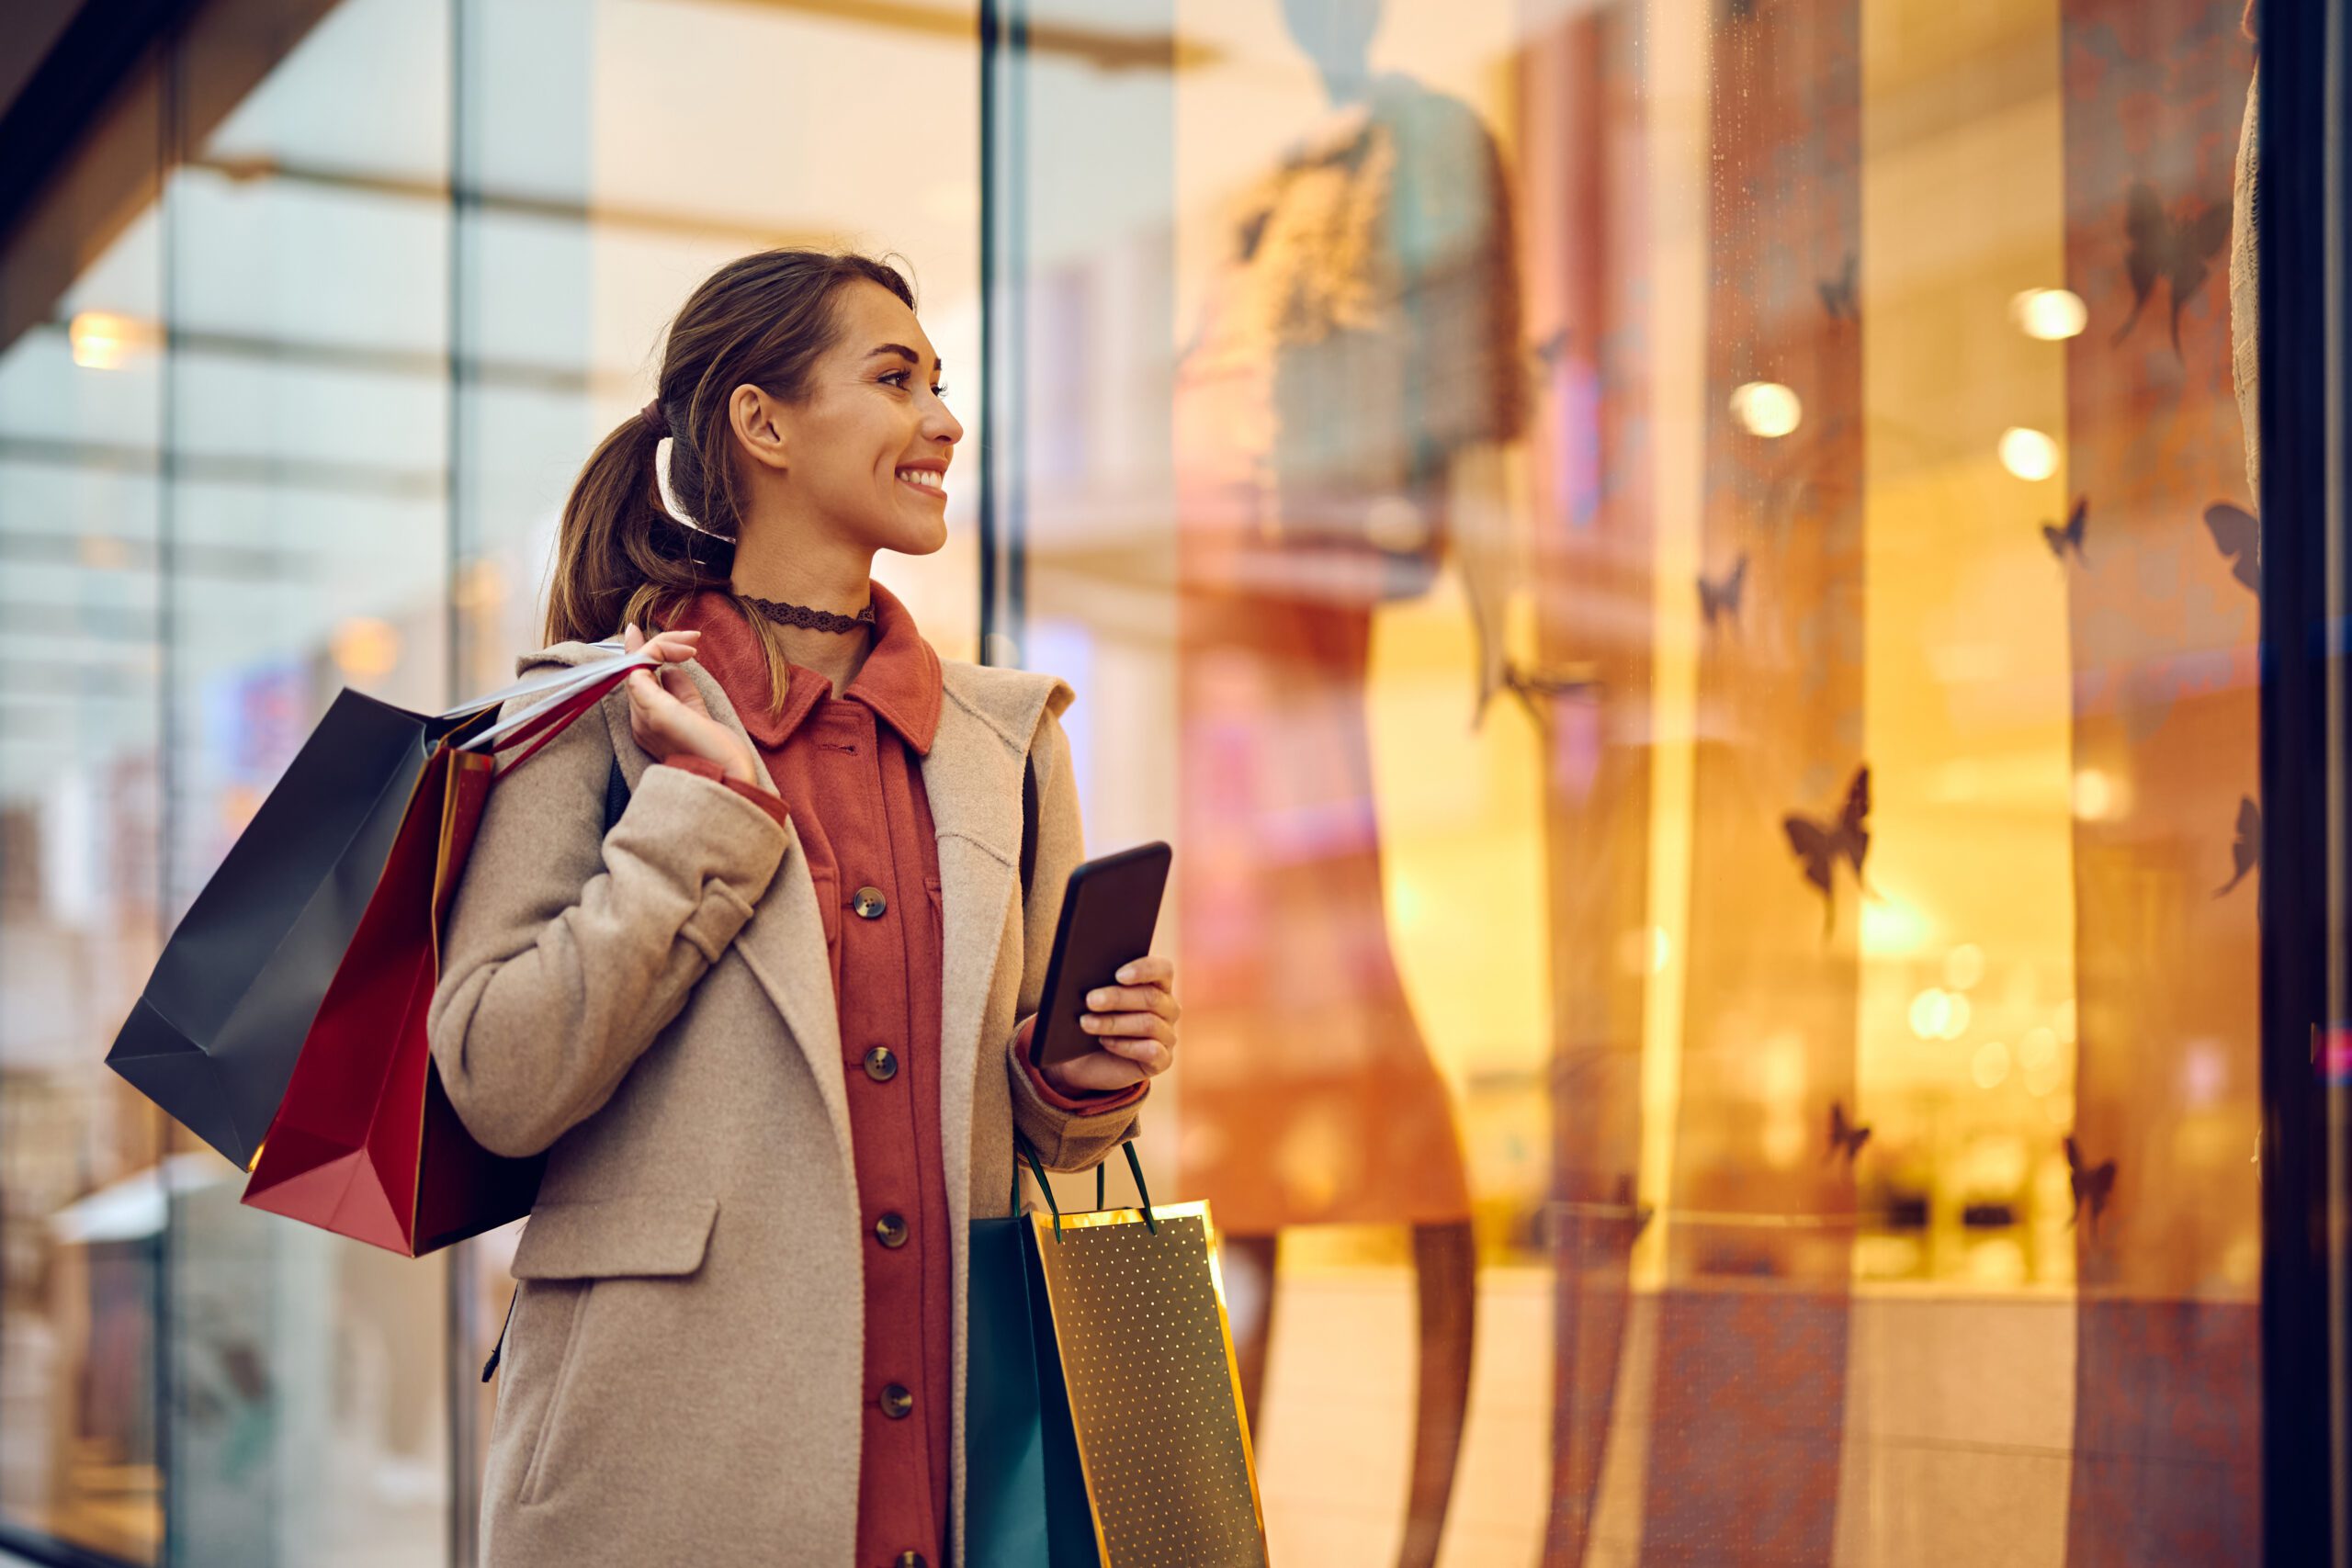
x: 867, y: 903
x: 881, y: 1064
x: 890, y: 1230
x: 909, y: 1560
x: 896, y: 1403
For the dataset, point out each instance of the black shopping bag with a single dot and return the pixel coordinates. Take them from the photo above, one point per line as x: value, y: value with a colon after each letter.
x: 1103, y: 1410
x: 214, y: 1036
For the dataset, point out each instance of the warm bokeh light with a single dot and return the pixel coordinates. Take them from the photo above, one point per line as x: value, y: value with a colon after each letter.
x: 2098, y: 797
x: 363, y: 647
x: 1931, y: 1012
x: 1963, y: 966
x: 2051, y: 315
x: 1990, y: 1066
x: 1767, y: 409
x: 2028, y: 454
x: 1957, y: 1013
x: 103, y: 340
x: 480, y: 585
x: 1891, y: 928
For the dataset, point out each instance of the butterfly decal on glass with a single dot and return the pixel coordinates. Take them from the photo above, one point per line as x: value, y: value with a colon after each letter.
x: 2093, y: 1185
x: 2238, y: 536
x: 1845, y: 1140
x: 2246, y: 848
x: 2176, y: 252
x: 1819, y: 845
x: 1536, y: 686
x: 1837, y: 294
x: 1720, y: 596
x: 2058, y: 538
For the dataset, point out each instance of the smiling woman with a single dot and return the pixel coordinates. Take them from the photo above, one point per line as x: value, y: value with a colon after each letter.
x: 799, y: 863
x: 790, y: 389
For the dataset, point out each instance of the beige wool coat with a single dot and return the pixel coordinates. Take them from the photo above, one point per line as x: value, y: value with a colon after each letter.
x: 653, y: 1007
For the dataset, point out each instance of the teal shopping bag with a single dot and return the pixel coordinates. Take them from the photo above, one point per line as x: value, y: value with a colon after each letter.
x: 1102, y: 1415
x: 1024, y: 1494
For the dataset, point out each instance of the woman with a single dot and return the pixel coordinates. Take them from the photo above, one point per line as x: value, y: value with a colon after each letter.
x: 772, y: 1028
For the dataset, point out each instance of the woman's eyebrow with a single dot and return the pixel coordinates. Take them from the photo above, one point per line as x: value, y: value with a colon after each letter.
x: 908, y: 354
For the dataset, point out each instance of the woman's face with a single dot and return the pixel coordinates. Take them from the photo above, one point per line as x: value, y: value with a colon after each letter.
x: 872, y: 417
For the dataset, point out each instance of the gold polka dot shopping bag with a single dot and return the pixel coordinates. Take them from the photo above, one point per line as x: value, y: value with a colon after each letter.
x: 1102, y: 1417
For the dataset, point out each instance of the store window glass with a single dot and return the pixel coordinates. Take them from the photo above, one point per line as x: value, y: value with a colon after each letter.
x: 1688, y: 569
x: 82, y: 1197
x: 225, y: 413
x: 307, y: 286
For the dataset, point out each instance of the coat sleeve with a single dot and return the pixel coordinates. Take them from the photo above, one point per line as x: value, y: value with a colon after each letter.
x: 1065, y: 1140
x: 563, y: 957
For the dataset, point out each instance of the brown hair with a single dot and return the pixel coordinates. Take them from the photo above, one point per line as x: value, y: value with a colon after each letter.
x: 620, y: 556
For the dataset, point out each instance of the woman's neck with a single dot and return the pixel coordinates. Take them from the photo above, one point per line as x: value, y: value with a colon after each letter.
x: 818, y: 580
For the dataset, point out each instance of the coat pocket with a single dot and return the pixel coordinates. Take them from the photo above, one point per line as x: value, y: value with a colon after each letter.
x: 566, y: 1249
x: 614, y: 1237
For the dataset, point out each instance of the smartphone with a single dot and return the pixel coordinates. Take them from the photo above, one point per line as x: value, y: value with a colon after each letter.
x: 1108, y: 913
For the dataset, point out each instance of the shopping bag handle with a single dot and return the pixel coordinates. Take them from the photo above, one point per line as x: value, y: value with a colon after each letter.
x: 555, y: 721
x: 1025, y: 1150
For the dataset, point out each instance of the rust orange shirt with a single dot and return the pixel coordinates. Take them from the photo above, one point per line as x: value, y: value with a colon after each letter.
x: 848, y: 771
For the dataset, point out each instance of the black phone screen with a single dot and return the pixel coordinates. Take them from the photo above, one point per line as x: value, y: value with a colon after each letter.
x: 1108, y: 913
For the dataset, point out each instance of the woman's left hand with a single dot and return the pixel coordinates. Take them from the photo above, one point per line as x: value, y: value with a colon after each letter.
x: 1133, y: 1021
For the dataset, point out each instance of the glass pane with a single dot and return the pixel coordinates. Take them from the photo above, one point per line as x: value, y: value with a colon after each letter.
x: 81, y: 712
x: 307, y: 234
x: 1679, y: 575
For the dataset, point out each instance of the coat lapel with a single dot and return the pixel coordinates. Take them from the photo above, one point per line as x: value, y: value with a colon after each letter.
x: 972, y: 779
x: 784, y: 942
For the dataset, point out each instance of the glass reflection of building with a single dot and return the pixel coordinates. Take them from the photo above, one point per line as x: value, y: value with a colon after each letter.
x: 1660, y: 563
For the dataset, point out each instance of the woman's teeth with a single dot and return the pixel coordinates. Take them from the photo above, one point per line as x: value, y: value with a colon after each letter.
x: 926, y: 478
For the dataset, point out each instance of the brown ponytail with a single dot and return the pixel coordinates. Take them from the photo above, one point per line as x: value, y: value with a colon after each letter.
x: 762, y: 321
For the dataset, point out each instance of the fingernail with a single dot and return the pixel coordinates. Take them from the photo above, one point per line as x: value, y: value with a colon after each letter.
x: 1088, y: 1020
x: 1097, y: 998
x: 1127, y: 972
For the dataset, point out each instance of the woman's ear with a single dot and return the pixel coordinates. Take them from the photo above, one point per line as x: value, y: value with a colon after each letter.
x: 759, y: 425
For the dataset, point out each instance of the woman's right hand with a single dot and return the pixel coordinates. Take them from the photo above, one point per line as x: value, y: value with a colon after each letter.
x: 668, y: 718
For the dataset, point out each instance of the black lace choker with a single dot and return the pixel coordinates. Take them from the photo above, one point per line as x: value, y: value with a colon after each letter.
x: 810, y: 620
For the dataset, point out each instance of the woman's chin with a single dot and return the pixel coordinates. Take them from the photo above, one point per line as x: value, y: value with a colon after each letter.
x: 921, y: 539
x: 925, y: 534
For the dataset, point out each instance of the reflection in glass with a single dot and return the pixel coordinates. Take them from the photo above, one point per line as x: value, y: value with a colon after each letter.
x: 1360, y: 340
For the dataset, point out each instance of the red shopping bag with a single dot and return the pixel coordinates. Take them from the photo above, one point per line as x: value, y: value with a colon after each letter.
x: 365, y: 1143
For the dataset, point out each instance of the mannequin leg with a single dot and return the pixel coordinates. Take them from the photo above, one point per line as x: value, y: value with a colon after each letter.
x: 1445, y: 1261
x: 1251, y: 1307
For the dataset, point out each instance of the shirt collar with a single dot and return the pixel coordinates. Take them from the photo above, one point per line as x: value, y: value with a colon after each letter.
x: 899, y: 679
